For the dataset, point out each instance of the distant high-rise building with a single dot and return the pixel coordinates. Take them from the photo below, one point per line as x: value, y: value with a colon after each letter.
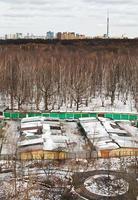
x: 6, y: 36
x: 18, y: 36
x: 65, y: 36
x: 69, y: 36
x: 80, y: 37
x: 14, y: 36
x: 59, y: 35
x: 50, y: 35
x: 62, y: 36
x: 27, y: 36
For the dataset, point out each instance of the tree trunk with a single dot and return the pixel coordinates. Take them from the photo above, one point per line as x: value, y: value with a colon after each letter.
x: 112, y: 97
x: 71, y: 102
x: 11, y: 99
x: 37, y: 102
x: 77, y: 105
x: 86, y: 103
x: 19, y: 105
x: 46, y: 101
x: 37, y: 99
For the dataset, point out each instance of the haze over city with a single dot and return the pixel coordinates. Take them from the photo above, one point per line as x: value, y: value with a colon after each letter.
x: 81, y: 16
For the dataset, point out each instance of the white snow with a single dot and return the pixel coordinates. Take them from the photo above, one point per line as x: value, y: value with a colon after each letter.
x: 76, y: 141
x: 106, y: 145
x: 106, y: 134
x: 104, y: 187
x: 11, y: 137
x: 88, y: 119
x: 130, y: 129
x: 31, y: 125
x: 49, y: 144
x: 94, y: 129
x: 30, y: 142
x: 110, y: 129
x: 126, y: 143
x: 33, y: 119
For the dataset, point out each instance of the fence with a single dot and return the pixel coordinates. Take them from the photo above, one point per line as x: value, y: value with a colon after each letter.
x: 71, y: 115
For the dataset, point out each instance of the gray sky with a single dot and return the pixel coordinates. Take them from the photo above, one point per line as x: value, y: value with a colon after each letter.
x: 80, y: 16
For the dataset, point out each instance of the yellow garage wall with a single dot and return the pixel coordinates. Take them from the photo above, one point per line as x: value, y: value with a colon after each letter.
x: 124, y: 152
x: 118, y: 152
x: 40, y: 155
x: 53, y: 155
x: 104, y: 153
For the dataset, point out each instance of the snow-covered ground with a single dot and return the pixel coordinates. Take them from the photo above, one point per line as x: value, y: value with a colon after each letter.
x: 32, y: 175
x: 11, y: 137
x: 106, y: 134
x: 54, y: 135
x: 37, y: 175
x: 76, y: 141
x: 95, y: 104
x: 106, y: 185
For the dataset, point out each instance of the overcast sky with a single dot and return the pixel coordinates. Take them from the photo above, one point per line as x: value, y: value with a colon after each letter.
x: 80, y: 16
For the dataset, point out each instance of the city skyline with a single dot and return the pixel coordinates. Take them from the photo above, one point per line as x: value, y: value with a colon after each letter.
x: 80, y: 16
x: 48, y: 35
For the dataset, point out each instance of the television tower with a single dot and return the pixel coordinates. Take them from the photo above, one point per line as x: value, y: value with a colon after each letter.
x: 108, y: 21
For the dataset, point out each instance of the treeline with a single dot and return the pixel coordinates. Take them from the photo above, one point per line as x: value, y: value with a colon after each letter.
x: 58, y: 74
x: 95, y: 42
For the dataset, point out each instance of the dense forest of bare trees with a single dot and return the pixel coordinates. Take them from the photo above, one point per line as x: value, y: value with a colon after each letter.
x: 58, y: 74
